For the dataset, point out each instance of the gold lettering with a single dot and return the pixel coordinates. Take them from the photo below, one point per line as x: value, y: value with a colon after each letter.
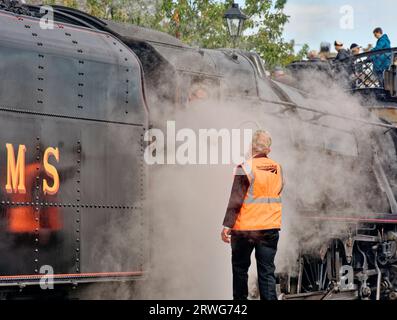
x: 15, y: 172
x: 51, y: 171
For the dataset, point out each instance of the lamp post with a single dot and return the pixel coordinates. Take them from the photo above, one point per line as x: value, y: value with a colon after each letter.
x: 235, y: 19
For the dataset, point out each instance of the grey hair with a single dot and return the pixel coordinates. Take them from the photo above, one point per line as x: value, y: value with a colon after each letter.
x: 261, y: 141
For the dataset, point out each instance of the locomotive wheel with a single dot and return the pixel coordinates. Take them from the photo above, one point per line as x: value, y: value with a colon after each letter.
x: 314, y: 276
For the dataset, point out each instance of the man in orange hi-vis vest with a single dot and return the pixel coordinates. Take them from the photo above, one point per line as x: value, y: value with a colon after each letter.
x: 253, y: 219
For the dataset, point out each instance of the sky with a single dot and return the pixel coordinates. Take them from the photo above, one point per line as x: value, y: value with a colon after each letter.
x: 314, y: 21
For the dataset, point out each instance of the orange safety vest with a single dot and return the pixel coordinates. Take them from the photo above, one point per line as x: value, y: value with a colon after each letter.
x: 261, y: 209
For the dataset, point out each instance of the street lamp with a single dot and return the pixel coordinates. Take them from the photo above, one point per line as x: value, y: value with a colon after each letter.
x: 235, y: 21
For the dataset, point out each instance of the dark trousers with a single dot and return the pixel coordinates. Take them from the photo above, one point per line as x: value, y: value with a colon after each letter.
x: 265, y: 245
x: 379, y: 75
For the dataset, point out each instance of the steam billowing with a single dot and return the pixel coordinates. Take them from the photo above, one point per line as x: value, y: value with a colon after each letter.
x: 328, y: 167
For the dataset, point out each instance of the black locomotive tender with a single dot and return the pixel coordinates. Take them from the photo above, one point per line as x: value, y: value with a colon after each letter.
x: 75, y: 104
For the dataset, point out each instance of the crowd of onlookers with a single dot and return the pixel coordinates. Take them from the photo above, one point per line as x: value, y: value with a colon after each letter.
x: 379, y: 62
x: 351, y: 66
x: 342, y: 54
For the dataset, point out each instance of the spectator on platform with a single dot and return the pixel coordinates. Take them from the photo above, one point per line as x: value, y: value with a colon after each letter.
x: 343, y: 54
x: 381, y: 62
x: 355, y: 49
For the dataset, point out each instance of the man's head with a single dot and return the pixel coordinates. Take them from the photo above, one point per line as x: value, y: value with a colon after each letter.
x: 197, y: 92
x: 325, y: 47
x: 312, y: 55
x: 355, y: 49
x: 338, y: 45
x: 261, y: 142
x: 378, y: 32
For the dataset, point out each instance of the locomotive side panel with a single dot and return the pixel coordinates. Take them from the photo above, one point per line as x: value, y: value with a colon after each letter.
x: 113, y: 192
x: 69, y: 71
x: 36, y: 226
x: 60, y: 247
x: 73, y: 106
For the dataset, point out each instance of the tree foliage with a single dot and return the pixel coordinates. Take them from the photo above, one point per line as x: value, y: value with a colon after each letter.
x: 200, y: 23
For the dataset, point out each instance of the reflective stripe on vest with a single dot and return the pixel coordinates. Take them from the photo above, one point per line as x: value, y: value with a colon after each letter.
x: 262, y: 200
x: 248, y: 171
x: 262, y: 205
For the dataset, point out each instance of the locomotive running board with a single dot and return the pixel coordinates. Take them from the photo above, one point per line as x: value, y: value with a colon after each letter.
x: 379, y: 218
x: 27, y: 280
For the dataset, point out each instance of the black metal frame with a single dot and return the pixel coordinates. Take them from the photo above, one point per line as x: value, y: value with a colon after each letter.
x: 371, y: 74
x: 363, y: 67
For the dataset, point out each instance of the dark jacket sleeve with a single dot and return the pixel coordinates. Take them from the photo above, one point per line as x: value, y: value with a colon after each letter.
x: 343, y: 55
x: 239, y: 190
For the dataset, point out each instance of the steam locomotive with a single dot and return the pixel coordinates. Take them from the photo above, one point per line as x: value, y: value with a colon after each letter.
x: 75, y: 101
